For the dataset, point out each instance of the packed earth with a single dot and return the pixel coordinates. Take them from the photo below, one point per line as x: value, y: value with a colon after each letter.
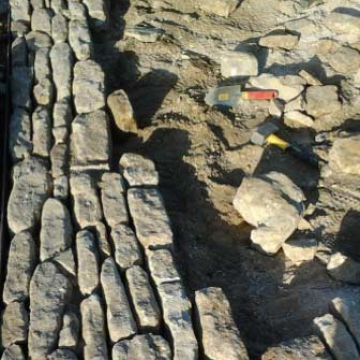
x: 160, y: 205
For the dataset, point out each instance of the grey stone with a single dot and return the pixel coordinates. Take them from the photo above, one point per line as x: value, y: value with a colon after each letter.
x: 145, y: 35
x: 19, y: 52
x: 44, y: 92
x: 273, y: 204
x: 62, y: 59
x: 20, y: 266
x: 59, y: 28
x: 220, y: 337
x: 289, y: 87
x: 343, y: 23
x: 90, y: 142
x: 127, y: 249
x: 343, y: 268
x: 42, y: 139
x: 61, y: 187
x: 280, y: 40
x: 41, y: 20
x: 308, y: 348
x: 14, y: 324
x: 299, y: 250
x: 69, y: 334
x: 343, y: 153
x: 77, y: 10
x: 62, y: 354
x: 14, y: 352
x: 31, y: 187
x: 50, y: 290
x: 59, y: 160
x: 122, y: 111
x: 296, y: 119
x: 295, y: 105
x: 276, y: 108
x: 20, y: 10
x: 88, y: 91
x: 147, y: 310
x: 56, y: 229
x: 20, y: 134
x: 102, y: 238
x: 88, y: 266
x: 42, y: 67
x: 151, y: 221
x: 177, y: 317
x: 322, y: 100
x: 218, y: 7
x: 62, y: 118
x: 345, y: 60
x: 120, y: 321
x: 309, y: 78
x: 113, y: 199
x: 93, y: 329
x: 87, y: 206
x: 37, y: 4
x: 239, y: 63
x: 21, y: 83
x: 66, y: 260
x: 162, y: 266
x: 36, y: 40
x: 142, y: 347
x: 59, y: 6
x: 98, y: 12
x: 138, y: 170
x: 80, y: 39
x: 20, y: 28
x: 336, y: 336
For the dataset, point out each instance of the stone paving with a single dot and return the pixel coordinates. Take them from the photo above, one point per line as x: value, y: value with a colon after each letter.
x: 91, y: 272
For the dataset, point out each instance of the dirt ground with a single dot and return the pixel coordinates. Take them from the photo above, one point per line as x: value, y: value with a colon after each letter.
x: 202, y: 154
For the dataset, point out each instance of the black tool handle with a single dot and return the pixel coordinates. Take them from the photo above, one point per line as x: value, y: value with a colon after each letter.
x: 303, y: 155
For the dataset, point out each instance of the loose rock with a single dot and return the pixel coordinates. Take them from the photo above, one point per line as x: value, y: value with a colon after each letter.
x: 120, y: 321
x: 80, y: 39
x: 280, y: 40
x: 300, y: 249
x: 49, y: 292
x: 69, y: 334
x: 87, y: 206
x: 14, y: 352
x: 88, y: 91
x: 142, y: 347
x: 273, y: 204
x: 336, y: 336
x: 122, y: 111
x: 238, y: 63
x: 42, y: 140
x: 138, y: 170
x: 127, y: 249
x: 14, y: 324
x: 90, y: 141
x: 88, y: 267
x: 219, y: 335
x: 147, y: 311
x: 93, y: 329
x: 56, y: 229
x: 343, y: 268
x: 151, y: 221
x: 322, y: 100
x: 31, y: 187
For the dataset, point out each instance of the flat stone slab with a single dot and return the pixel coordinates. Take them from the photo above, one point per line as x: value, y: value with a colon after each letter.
x: 87, y: 207
x: 31, y: 188
x: 220, y: 337
x: 138, y: 170
x: 56, y: 229
x: 50, y: 291
x: 147, y: 310
x: 90, y: 141
x: 120, y: 320
x: 150, y: 218
x: 142, y: 347
x: 89, y: 92
x: 113, y: 199
x: 88, y: 265
x: 126, y: 245
x: 93, y: 329
x: 336, y: 336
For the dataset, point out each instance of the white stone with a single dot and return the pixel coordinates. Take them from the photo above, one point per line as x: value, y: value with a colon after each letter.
x: 300, y: 250
x: 276, y: 108
x: 151, y: 221
x: 80, y: 39
x: 147, y: 310
x: 336, y: 336
x: 120, y: 321
x: 309, y: 78
x: 88, y: 266
x: 343, y: 268
x: 41, y: 20
x: 42, y: 139
x: 56, y: 229
x: 20, y: 10
x: 126, y: 245
x: 138, y: 170
x: 93, y: 329
x: 77, y: 10
x: 296, y: 119
x: 59, y: 28
x: 239, y: 63
x: 89, y: 93
x: 220, y: 337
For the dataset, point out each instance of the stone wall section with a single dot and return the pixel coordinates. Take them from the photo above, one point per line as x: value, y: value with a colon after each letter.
x: 91, y: 271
